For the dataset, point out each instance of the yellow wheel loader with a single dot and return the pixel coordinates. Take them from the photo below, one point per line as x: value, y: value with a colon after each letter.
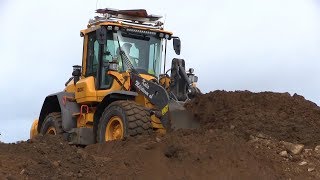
x: 119, y: 90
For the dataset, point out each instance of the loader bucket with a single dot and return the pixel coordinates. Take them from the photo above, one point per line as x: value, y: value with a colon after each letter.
x: 180, y: 118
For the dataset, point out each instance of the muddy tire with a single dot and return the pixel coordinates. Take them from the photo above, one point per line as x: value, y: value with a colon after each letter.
x: 122, y: 119
x: 52, y: 124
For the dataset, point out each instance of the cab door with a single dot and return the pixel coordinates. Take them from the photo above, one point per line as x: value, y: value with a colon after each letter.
x: 96, y: 58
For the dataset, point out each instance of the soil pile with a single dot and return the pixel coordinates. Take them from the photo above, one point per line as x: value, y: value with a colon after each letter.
x: 279, y: 115
x: 243, y: 135
x: 43, y: 157
x: 180, y: 155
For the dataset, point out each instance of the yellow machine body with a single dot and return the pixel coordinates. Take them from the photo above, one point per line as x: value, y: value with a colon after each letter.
x: 88, y: 97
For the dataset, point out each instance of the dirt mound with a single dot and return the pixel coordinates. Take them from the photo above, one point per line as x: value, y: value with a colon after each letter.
x: 278, y: 115
x: 240, y: 137
x: 180, y: 155
x: 44, y: 157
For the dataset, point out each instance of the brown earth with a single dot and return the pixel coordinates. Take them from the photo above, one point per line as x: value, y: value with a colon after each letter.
x: 241, y: 136
x: 279, y: 115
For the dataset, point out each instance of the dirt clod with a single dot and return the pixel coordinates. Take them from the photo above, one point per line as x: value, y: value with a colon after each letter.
x: 317, y: 148
x: 311, y: 169
x: 302, y: 163
x: 293, y: 148
x: 284, y: 154
x: 171, y: 151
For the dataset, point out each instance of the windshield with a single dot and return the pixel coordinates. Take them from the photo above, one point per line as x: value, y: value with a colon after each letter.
x: 143, y: 51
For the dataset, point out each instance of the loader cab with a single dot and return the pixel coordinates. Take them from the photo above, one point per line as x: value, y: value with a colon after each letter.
x: 138, y: 36
x: 142, y: 48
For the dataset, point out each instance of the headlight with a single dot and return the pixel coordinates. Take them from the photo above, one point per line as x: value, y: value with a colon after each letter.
x: 141, y: 31
x: 109, y: 28
x: 193, y: 78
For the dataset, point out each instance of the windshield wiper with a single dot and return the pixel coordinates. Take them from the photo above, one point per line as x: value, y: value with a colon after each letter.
x: 126, y: 59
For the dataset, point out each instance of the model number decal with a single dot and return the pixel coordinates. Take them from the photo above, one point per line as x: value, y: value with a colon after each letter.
x: 142, y: 87
x: 80, y: 89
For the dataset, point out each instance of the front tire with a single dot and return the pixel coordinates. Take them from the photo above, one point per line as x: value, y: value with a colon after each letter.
x: 52, y: 124
x: 122, y: 119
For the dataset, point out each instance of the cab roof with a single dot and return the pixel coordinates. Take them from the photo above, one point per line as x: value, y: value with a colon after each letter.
x: 131, y: 18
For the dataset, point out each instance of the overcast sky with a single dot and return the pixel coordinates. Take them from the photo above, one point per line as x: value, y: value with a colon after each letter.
x: 256, y: 45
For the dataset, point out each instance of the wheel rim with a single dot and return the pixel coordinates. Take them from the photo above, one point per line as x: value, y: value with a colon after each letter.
x: 114, y: 129
x: 52, y: 131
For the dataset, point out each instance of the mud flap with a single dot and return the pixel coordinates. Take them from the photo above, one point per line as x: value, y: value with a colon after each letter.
x: 180, y: 118
x: 81, y: 136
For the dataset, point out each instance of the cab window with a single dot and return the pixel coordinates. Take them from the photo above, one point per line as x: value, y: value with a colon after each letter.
x: 92, y: 64
x: 92, y: 56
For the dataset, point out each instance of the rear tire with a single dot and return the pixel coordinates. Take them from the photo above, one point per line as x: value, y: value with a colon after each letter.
x: 122, y: 119
x: 52, y: 124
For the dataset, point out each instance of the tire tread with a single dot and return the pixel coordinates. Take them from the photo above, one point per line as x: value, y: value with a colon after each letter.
x: 137, y: 118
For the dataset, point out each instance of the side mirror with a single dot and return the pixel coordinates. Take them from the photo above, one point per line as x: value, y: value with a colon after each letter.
x: 177, y: 45
x: 76, y: 73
